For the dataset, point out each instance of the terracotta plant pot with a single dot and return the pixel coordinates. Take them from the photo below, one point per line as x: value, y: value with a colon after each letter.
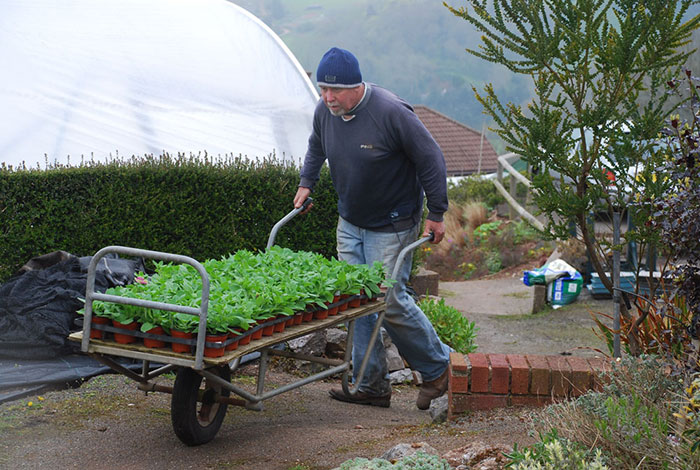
x: 280, y: 325
x: 154, y: 343
x: 257, y: 334
x: 245, y: 338
x: 269, y: 328
x: 307, y: 316
x: 321, y: 314
x: 364, y: 297
x: 333, y: 310
x: 235, y: 341
x: 344, y: 305
x: 179, y: 347
x: 355, y: 302
x: 125, y: 338
x: 298, y: 318
x: 98, y: 334
x: 215, y: 351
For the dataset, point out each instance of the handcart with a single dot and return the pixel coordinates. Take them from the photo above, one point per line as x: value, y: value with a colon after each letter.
x: 202, y: 389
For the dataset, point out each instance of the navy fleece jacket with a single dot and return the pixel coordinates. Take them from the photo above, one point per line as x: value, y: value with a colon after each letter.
x: 381, y: 162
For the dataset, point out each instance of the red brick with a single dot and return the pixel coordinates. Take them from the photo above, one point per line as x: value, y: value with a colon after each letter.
x: 519, y: 374
x: 458, y: 404
x: 458, y: 362
x: 459, y: 381
x: 581, y: 375
x: 560, y: 375
x: 539, y: 374
x: 486, y: 401
x: 479, y: 372
x: 500, y: 373
x: 530, y: 400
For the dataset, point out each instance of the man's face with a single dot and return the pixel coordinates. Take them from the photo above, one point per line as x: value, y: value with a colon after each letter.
x: 341, y: 100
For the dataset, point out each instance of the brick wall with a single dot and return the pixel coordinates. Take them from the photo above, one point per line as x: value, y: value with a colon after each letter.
x: 481, y: 381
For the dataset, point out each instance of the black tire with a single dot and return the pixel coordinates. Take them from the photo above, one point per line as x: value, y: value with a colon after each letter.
x: 196, y: 421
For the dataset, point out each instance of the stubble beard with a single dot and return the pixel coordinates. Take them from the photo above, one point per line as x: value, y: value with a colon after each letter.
x: 337, y: 112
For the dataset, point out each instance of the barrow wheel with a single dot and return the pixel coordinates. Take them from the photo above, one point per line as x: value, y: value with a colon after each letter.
x: 194, y: 411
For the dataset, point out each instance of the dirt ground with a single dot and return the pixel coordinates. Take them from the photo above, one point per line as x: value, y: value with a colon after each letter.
x: 108, y: 424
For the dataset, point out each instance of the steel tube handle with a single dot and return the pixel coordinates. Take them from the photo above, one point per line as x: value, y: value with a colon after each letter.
x: 351, y: 390
x: 285, y: 219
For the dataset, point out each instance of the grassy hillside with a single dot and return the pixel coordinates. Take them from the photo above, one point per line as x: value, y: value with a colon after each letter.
x: 416, y: 48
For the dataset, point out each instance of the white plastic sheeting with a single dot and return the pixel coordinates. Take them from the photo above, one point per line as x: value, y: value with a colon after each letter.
x: 94, y: 79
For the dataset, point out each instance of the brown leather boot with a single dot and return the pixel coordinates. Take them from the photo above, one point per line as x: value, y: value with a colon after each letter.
x: 432, y: 390
x: 361, y: 398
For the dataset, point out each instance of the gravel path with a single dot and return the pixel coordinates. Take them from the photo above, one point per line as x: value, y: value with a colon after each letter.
x: 108, y: 424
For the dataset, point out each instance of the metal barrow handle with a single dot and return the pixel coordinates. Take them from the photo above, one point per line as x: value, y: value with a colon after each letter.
x: 91, y: 295
x: 285, y: 219
x: 347, y: 389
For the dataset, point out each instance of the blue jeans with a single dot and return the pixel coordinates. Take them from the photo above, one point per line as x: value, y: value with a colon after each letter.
x: 407, y: 325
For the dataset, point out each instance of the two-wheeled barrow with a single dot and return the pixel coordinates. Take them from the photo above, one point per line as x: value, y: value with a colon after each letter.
x: 202, y: 388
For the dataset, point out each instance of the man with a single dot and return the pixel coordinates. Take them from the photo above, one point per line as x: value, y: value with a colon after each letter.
x: 382, y: 159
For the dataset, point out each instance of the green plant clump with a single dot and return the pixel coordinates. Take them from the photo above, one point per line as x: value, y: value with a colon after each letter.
x: 244, y: 288
x: 418, y: 461
x: 631, y: 420
x: 555, y: 453
x: 451, y: 326
x: 475, y: 189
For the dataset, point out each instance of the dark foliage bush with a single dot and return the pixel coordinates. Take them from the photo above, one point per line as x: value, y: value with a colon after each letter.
x: 676, y: 214
x: 202, y: 209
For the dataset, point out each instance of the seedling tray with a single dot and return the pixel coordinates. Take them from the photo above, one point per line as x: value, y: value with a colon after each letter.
x: 166, y: 356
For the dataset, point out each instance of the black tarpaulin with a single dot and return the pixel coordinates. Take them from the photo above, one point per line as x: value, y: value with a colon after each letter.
x: 38, y: 307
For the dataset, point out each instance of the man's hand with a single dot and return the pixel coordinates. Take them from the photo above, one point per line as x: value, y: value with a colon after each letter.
x: 301, y: 196
x: 438, y: 228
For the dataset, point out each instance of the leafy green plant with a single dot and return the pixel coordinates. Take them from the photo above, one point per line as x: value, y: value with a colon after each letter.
x: 493, y: 261
x: 484, y: 231
x: 631, y: 418
x: 418, y: 461
x: 552, y: 452
x: 451, y: 326
x: 474, y: 189
x: 244, y: 288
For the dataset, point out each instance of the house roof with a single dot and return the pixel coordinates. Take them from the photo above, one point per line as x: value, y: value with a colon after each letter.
x: 460, y: 144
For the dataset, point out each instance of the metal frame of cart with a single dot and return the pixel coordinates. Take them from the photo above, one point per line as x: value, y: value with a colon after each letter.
x: 202, y: 386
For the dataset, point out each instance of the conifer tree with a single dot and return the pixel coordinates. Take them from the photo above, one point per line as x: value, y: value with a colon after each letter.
x: 599, y: 69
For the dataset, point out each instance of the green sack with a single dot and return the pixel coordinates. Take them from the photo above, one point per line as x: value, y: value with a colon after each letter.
x: 564, y: 290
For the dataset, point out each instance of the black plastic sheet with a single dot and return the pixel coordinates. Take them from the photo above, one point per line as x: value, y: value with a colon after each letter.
x: 38, y: 308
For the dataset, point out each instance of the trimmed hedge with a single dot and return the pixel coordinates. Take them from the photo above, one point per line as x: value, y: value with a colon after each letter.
x: 203, y: 209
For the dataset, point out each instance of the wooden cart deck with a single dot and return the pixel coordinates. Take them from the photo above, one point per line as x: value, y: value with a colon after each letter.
x: 167, y: 356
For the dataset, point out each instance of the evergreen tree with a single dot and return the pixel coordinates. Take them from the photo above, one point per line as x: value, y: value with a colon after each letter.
x: 599, y: 68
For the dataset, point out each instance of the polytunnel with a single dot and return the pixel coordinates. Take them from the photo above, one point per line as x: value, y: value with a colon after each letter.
x: 101, y: 79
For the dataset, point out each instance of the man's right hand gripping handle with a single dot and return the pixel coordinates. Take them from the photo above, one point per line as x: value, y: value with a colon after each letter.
x: 301, y: 196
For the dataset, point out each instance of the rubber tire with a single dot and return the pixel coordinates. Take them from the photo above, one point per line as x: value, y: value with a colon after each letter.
x: 189, y: 427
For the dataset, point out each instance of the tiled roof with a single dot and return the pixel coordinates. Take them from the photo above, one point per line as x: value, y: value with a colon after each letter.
x: 460, y: 144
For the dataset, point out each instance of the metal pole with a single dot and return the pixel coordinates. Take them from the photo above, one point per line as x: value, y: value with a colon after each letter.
x: 616, y: 282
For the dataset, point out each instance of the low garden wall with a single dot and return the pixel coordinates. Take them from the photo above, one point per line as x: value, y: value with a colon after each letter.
x: 483, y: 381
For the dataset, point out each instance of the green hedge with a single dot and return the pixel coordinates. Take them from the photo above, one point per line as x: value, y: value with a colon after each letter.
x: 202, y: 209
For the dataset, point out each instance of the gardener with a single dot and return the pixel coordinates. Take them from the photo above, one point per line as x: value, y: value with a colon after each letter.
x: 381, y: 159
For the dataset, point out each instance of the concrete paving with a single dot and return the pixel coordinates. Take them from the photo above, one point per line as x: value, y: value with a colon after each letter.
x: 502, y: 311
x: 507, y: 296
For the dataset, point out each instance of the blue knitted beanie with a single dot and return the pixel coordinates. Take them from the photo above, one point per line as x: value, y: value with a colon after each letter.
x: 338, y: 69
